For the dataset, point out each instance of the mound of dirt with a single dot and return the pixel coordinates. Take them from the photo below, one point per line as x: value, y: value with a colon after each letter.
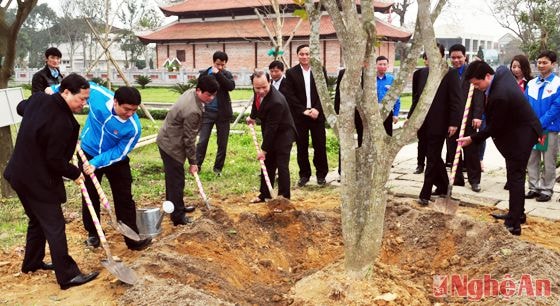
x: 251, y: 261
x: 249, y: 254
x: 428, y: 257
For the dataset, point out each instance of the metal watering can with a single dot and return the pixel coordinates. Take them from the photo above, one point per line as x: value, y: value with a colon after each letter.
x: 149, y: 220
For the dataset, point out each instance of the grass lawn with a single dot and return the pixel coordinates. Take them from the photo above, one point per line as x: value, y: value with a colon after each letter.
x: 240, y: 177
x: 163, y: 94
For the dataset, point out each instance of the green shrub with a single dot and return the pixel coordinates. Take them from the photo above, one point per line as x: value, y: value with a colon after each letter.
x: 181, y: 88
x: 26, y: 86
x: 143, y: 80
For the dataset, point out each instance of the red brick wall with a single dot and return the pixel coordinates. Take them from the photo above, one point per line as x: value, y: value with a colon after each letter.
x: 242, y: 54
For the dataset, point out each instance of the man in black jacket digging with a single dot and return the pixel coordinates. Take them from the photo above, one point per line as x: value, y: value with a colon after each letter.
x: 46, y: 141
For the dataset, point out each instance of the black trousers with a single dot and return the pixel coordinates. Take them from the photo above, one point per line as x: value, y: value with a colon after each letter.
x: 279, y: 159
x: 516, y: 165
x: 46, y: 224
x: 174, y: 183
x: 209, y: 119
x: 435, y: 173
x: 316, y: 128
x: 120, y: 180
x: 422, y: 147
x: 469, y: 159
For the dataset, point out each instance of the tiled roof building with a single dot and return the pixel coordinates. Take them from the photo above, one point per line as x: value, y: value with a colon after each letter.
x: 204, y: 26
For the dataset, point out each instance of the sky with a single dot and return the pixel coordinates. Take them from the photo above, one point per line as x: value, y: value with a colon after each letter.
x: 472, y: 16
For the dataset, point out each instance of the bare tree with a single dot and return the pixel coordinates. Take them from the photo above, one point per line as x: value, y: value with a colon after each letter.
x: 8, y: 37
x: 535, y: 22
x: 365, y: 170
x: 273, y: 24
x: 401, y: 8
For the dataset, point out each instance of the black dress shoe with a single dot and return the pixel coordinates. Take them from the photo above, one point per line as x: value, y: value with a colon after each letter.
x: 516, y: 231
x: 475, y: 187
x: 459, y: 184
x: 302, y: 181
x: 439, y: 193
x: 92, y: 241
x: 321, y: 181
x: 47, y: 266
x: 181, y: 220
x: 419, y: 169
x: 140, y: 245
x: 78, y: 280
x: 43, y: 266
x: 543, y: 198
x: 532, y: 194
x: 501, y: 216
x: 189, y: 209
x: 423, y: 202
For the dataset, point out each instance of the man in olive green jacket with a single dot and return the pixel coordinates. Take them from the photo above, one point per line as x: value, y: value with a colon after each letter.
x: 177, y: 142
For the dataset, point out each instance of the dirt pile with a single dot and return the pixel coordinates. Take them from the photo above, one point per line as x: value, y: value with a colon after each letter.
x: 250, y: 255
x: 253, y: 260
x: 428, y: 258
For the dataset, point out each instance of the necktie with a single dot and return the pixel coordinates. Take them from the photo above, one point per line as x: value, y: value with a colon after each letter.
x: 258, y: 101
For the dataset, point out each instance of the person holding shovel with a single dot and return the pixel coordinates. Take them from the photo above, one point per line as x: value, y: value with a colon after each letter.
x: 45, y: 143
x: 176, y: 141
x: 514, y: 127
x: 111, y: 131
x: 278, y: 131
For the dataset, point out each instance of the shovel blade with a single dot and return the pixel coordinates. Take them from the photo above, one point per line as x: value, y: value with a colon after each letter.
x: 446, y: 205
x: 207, y: 203
x: 127, y: 231
x: 122, y: 272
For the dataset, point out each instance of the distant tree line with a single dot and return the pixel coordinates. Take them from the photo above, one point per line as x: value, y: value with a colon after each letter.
x: 44, y: 28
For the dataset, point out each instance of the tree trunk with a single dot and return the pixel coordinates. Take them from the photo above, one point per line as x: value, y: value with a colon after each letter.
x: 363, y: 216
x: 8, y: 38
x: 365, y: 170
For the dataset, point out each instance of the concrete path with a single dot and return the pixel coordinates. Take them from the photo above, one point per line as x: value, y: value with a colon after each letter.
x: 402, y: 182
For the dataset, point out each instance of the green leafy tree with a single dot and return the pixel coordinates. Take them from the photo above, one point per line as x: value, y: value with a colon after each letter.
x: 36, y: 35
x: 535, y: 22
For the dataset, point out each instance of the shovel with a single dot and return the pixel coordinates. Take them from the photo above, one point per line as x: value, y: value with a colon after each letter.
x: 201, y: 191
x: 118, y: 225
x: 277, y: 201
x: 448, y: 205
x: 118, y: 269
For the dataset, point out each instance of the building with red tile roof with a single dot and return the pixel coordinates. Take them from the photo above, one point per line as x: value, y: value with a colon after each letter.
x: 204, y: 27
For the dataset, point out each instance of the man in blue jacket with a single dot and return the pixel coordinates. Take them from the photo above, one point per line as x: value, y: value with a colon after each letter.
x: 111, y: 131
x: 543, y: 95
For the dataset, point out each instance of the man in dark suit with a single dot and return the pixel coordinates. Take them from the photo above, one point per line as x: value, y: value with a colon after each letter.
x: 301, y: 93
x: 514, y: 127
x: 470, y: 157
x: 50, y: 74
x: 442, y: 120
x: 276, y: 70
x: 278, y: 131
x: 218, y: 112
x: 46, y: 141
x: 419, y: 78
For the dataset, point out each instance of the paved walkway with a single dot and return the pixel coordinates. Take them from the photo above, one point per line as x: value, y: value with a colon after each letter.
x: 402, y: 182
